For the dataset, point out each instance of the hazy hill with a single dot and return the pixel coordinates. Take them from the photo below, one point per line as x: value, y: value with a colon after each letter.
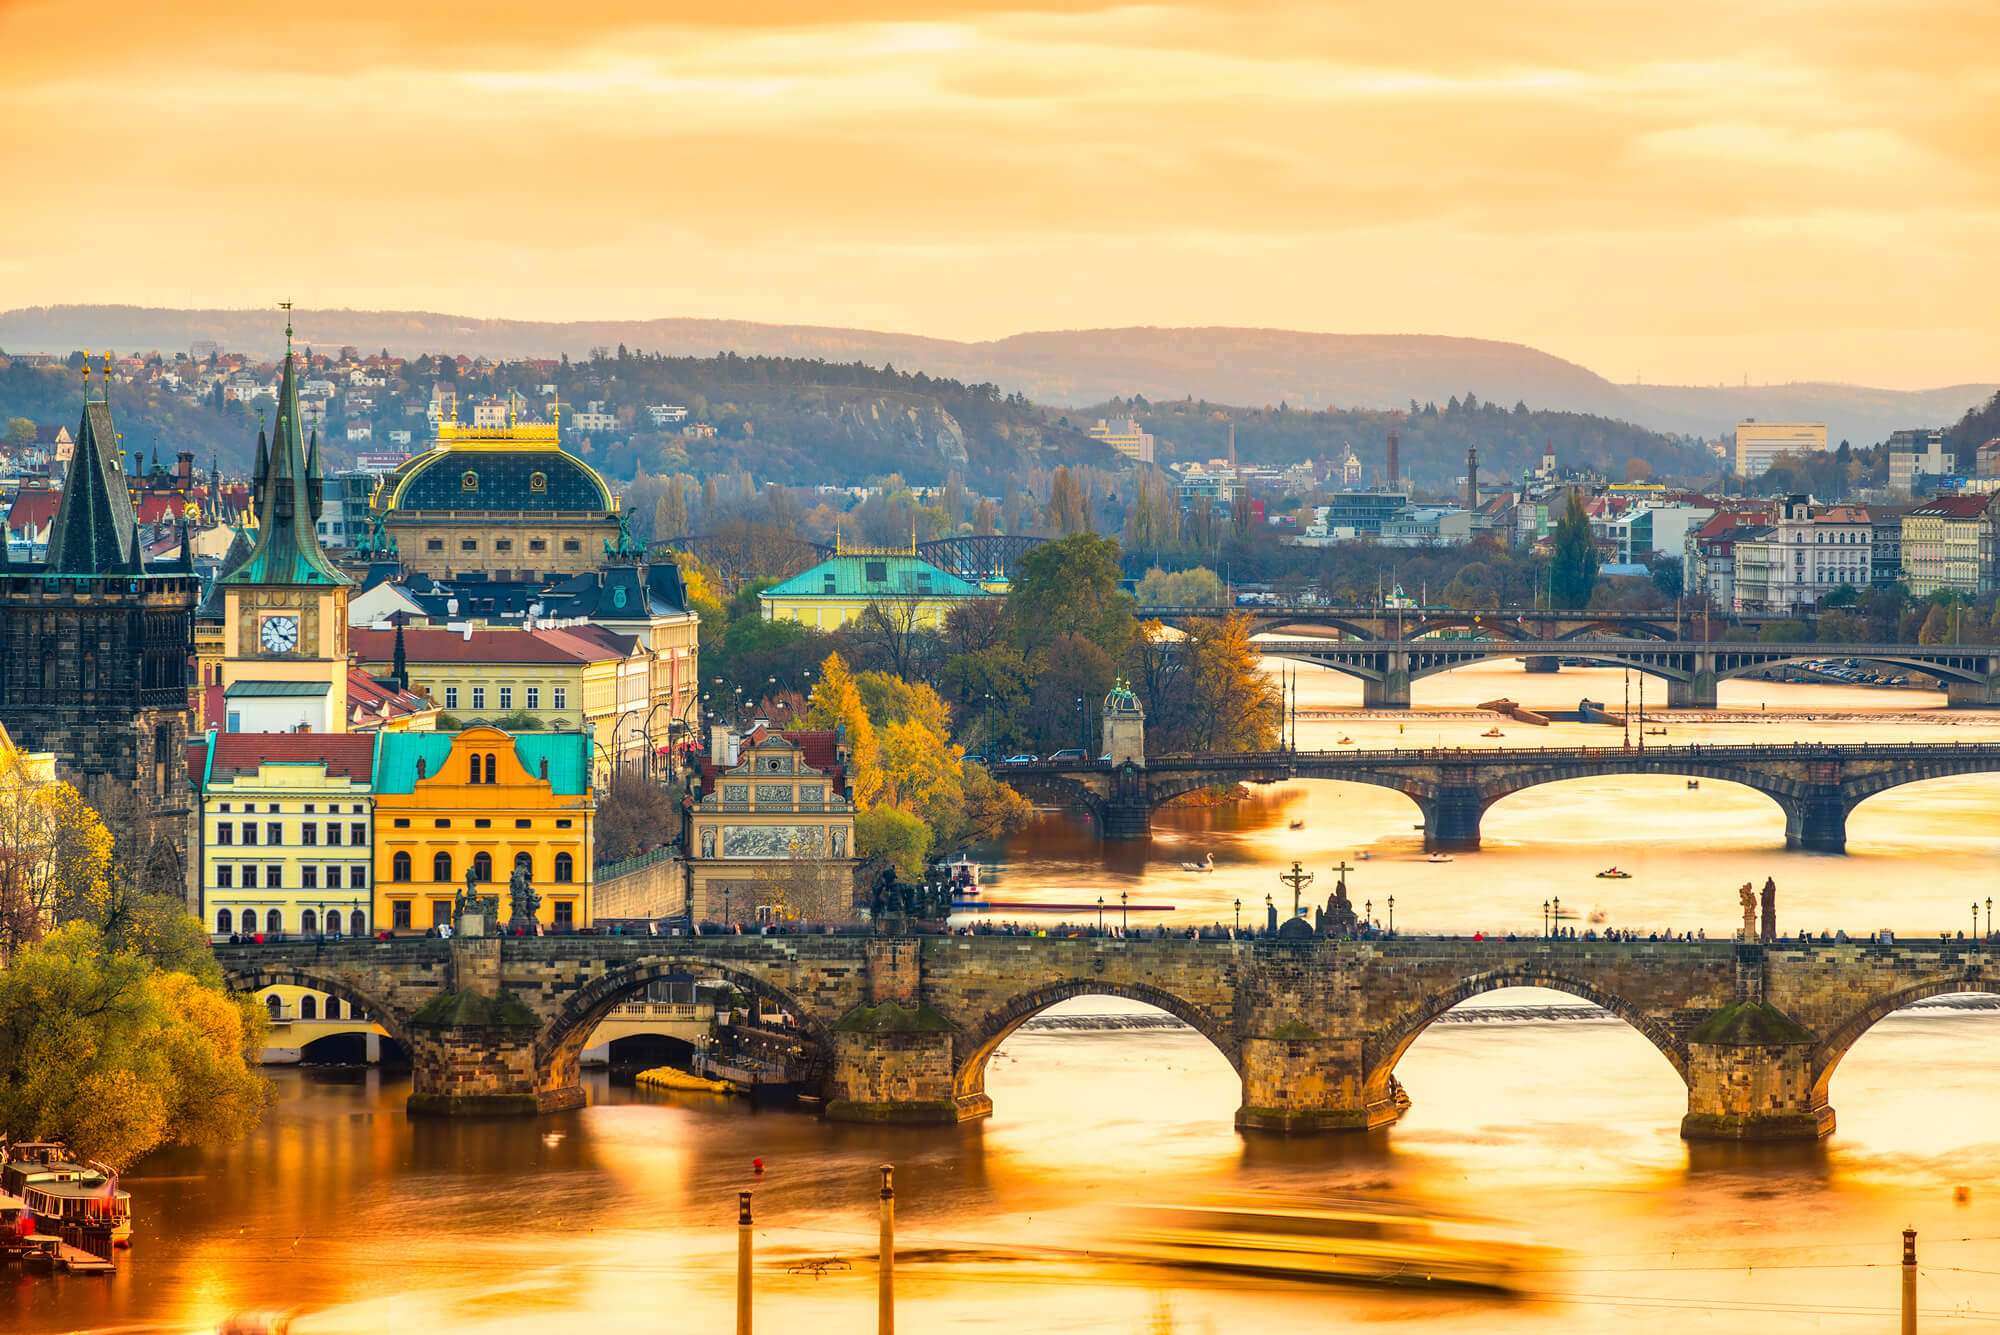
x: 1254, y: 367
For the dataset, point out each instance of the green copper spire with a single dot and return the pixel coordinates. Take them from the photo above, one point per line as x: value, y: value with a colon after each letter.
x: 95, y: 531
x: 288, y: 550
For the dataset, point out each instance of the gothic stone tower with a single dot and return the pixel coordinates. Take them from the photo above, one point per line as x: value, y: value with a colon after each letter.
x: 94, y: 649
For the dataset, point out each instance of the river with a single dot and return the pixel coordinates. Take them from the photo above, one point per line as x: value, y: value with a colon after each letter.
x: 620, y: 1216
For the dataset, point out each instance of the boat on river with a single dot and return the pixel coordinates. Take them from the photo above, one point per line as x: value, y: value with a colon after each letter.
x: 1614, y: 874
x: 66, y: 1197
x: 1355, y: 1244
x: 1438, y: 857
x: 963, y: 874
x: 1493, y: 732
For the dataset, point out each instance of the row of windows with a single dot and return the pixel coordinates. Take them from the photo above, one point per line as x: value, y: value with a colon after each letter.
x: 401, y: 866
x: 332, y: 808
x: 233, y: 876
x: 355, y: 923
x: 274, y: 833
x: 309, y: 1006
x: 502, y: 544
x: 401, y: 914
x: 531, y: 697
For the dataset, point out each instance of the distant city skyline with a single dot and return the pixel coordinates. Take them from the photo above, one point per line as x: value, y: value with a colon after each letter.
x: 1697, y: 197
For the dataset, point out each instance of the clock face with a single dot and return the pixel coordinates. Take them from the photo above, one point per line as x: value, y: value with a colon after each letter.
x: 280, y: 634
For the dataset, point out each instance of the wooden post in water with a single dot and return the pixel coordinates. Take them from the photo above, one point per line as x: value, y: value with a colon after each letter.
x: 885, y: 1293
x: 1909, y: 1281
x: 742, y: 1263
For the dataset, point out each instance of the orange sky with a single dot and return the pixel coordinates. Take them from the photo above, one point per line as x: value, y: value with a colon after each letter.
x: 1812, y: 191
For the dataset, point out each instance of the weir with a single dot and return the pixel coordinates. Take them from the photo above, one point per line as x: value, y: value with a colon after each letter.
x: 900, y: 1028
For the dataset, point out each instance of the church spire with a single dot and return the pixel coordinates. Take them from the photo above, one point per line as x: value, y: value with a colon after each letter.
x: 95, y: 531
x: 288, y: 550
x: 315, y: 480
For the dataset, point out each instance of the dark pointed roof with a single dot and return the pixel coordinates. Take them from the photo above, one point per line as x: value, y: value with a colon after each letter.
x: 288, y: 550
x: 95, y: 531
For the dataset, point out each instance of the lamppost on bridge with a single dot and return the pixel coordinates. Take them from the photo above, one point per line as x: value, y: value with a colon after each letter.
x: 1368, y: 913
x: 1545, y: 919
x: 1239, y: 913
x: 1270, y: 911
x: 1100, y: 914
x: 1989, y: 915
x: 1298, y: 879
x: 1122, y: 898
x: 1555, y: 916
x: 725, y: 906
x: 1392, y: 915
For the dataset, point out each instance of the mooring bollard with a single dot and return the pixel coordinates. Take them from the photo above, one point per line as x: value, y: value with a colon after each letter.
x: 742, y: 1263
x: 886, y: 1269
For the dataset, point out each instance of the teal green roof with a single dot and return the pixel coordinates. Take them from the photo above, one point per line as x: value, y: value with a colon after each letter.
x: 875, y: 575
x: 288, y: 500
x: 274, y: 689
x: 568, y: 754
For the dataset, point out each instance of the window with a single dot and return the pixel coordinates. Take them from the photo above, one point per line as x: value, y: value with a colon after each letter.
x: 506, y: 697
x: 357, y: 834
x: 274, y: 921
x: 562, y: 824
x: 333, y: 1003
x: 224, y: 807
x: 572, y: 545
x: 482, y: 824
x: 537, y: 545
x: 249, y: 832
x: 440, y: 912
x: 308, y: 1004
x: 309, y: 878
x: 274, y: 876
x: 401, y: 911
x: 235, y: 723
x: 333, y: 834
x: 308, y: 834
x: 451, y: 697
x: 224, y: 874
x: 875, y: 571
x: 399, y: 867
x: 524, y: 824
x: 225, y: 833
x: 432, y: 545
x: 525, y: 862
x: 357, y: 876
x: 274, y: 833
x: 479, y: 697
x: 442, y: 823
x: 503, y: 545
x: 223, y: 922
x: 475, y: 769
x: 441, y: 867
x: 559, y: 697
x: 565, y: 869
x: 565, y: 916
x: 482, y: 867
x: 468, y: 545
x: 534, y: 697
x: 333, y: 876
x: 402, y: 822
x: 489, y: 769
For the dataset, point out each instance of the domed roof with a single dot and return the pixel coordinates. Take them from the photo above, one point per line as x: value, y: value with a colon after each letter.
x: 1122, y: 701
x: 520, y: 468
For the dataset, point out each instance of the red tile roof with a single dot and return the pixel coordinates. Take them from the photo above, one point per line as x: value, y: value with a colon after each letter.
x: 345, y: 754
x: 33, y: 509
x: 820, y: 749
x: 1953, y: 507
x: 436, y: 644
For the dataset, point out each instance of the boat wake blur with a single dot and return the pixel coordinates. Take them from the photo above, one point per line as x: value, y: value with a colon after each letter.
x: 1329, y: 1241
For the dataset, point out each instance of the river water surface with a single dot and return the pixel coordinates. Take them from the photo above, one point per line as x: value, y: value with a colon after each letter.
x: 620, y: 1216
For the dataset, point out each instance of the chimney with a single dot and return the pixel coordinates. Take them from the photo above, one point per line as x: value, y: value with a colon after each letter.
x: 1472, y: 478
x: 1394, y: 472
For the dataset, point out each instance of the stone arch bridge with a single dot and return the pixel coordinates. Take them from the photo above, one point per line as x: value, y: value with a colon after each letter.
x: 1526, y: 624
x: 1816, y: 786
x: 900, y: 1028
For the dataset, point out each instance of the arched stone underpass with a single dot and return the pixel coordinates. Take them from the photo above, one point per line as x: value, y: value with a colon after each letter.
x: 1834, y: 1047
x: 974, y: 1045
x: 1383, y: 1048
x: 251, y: 981
x: 559, y: 1045
x: 1541, y: 806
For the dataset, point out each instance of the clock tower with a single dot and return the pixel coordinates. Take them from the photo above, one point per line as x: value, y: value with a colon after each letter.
x: 284, y: 663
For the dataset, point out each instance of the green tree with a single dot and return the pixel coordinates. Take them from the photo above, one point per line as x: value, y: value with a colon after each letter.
x: 1573, y: 567
x: 1937, y: 626
x: 20, y: 433
x: 1070, y: 587
x: 1236, y: 704
x: 895, y: 834
x: 1199, y: 587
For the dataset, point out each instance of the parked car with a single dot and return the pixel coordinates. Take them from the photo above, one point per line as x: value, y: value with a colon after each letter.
x: 976, y: 760
x: 1020, y: 760
x: 1069, y: 755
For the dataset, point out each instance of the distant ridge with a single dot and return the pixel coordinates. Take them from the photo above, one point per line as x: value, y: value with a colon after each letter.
x: 1250, y: 367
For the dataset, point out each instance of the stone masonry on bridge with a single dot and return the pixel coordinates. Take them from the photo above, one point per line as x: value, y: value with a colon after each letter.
x: 1816, y: 786
x: 900, y: 1029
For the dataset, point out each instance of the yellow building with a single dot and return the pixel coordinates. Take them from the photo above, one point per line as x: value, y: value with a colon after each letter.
x: 284, y: 608
x: 501, y: 502
x: 483, y: 802
x: 772, y: 833
x: 1759, y: 443
x: 906, y: 590
x: 581, y: 677
x: 285, y: 834
x: 1127, y: 437
x: 1949, y: 545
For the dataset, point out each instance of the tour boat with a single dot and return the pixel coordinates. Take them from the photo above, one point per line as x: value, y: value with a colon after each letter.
x: 1613, y: 874
x: 1361, y: 1243
x: 966, y: 895
x: 60, y: 1193
x: 1656, y: 732
x: 1438, y: 857
x: 1207, y: 864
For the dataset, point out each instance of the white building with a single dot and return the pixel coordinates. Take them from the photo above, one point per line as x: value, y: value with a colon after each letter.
x: 666, y: 414
x: 1914, y: 454
x: 1126, y: 437
x: 1758, y: 443
x: 1804, y: 557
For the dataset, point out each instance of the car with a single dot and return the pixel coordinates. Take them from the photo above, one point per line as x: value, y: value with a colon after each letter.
x: 1020, y: 760
x: 976, y: 760
x: 1068, y: 755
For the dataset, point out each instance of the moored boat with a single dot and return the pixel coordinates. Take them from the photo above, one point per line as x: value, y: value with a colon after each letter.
x: 62, y: 1194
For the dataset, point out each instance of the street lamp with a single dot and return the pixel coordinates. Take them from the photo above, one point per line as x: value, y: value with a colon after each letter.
x: 1082, y: 732
x: 725, y: 906
x: 1239, y: 914
x: 1556, y: 915
x: 1270, y: 909
x: 1367, y: 913
x: 1545, y: 919
x: 1392, y: 915
x: 1989, y: 915
x: 1122, y: 897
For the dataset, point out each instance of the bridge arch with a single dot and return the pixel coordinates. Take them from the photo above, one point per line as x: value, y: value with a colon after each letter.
x: 1381, y: 1050
x: 251, y: 979
x: 1970, y: 671
x: 1785, y: 794
x: 559, y: 1045
x: 974, y: 1046
x: 1858, y: 790
x: 1827, y: 1056
x: 1620, y: 628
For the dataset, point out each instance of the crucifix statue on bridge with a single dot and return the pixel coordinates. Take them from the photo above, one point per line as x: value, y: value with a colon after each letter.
x: 1298, y: 878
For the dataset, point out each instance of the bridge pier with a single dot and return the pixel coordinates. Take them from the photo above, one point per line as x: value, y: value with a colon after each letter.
x: 1751, y: 1077
x: 1696, y: 693
x: 1299, y: 1083
x: 1817, y: 823
x: 892, y: 1057
x: 1973, y: 694
x: 1543, y: 665
x: 1128, y: 819
x: 1392, y: 689
x: 1451, y: 821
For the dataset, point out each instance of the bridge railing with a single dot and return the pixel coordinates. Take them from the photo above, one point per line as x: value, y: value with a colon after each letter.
x: 1417, y: 755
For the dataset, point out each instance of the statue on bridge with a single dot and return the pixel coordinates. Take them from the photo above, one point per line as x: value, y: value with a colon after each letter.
x: 1770, y: 922
x: 525, y: 902
x: 1747, y: 897
x: 1339, y: 919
